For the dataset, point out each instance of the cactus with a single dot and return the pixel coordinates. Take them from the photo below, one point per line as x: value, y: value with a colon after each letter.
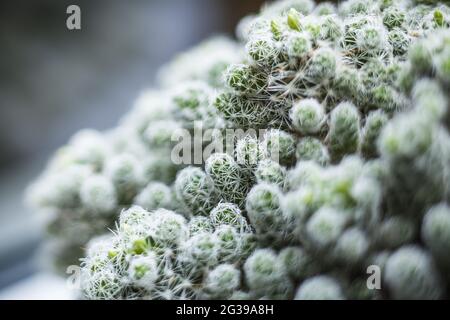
x: 346, y: 167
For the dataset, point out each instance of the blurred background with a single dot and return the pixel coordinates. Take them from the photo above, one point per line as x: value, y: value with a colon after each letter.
x: 54, y: 81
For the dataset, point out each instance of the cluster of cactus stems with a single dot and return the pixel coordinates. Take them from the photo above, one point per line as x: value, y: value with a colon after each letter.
x: 352, y: 169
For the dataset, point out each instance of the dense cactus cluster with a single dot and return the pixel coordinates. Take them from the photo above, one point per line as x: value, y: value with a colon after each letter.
x: 96, y: 175
x: 415, y: 148
x: 160, y: 254
x: 342, y: 164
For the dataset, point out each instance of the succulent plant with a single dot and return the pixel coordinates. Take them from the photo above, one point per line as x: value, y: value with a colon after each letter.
x: 96, y: 175
x: 342, y: 164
